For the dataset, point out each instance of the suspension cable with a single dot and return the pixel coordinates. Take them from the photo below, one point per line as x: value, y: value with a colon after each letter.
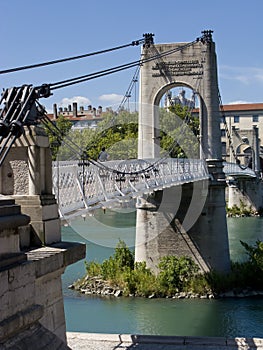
x: 11, y: 70
x: 91, y: 76
x: 130, y: 88
x: 228, y: 134
x: 83, y: 78
x: 45, y: 89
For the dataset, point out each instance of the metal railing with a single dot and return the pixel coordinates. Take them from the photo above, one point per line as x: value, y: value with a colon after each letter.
x: 233, y: 169
x: 119, y: 181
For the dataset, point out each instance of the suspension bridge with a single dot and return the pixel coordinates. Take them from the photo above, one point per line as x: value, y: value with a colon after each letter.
x: 86, y: 184
x: 83, y: 187
x: 180, y: 207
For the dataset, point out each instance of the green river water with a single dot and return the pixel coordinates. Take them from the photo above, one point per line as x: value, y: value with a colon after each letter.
x: 188, y: 317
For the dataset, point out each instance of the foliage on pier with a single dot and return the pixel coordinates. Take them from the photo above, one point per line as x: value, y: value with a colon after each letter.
x: 241, y: 210
x: 134, y: 278
x: 177, y: 276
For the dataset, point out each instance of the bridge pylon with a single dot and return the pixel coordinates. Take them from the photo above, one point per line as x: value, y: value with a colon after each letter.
x: 192, y: 65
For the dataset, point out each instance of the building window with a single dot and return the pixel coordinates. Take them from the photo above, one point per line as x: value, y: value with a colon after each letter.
x: 254, y: 118
x: 223, y: 119
x: 223, y: 132
x: 236, y: 118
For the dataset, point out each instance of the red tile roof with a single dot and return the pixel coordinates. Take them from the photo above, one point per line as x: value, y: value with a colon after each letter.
x: 242, y: 107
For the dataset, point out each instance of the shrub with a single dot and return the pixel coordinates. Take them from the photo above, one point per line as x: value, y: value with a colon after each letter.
x: 175, y: 273
x: 123, y: 256
x: 93, y: 268
x: 109, y: 269
x: 255, y: 254
x: 143, y: 279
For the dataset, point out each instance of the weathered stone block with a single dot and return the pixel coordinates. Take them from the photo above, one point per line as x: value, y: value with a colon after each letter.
x: 27, y: 270
x: 4, y: 306
x: 48, y: 231
x: 19, y: 321
x: 9, y: 242
x: 21, y: 298
x: 4, y: 283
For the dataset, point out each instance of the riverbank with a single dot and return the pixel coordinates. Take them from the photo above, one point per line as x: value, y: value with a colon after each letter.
x: 99, y: 287
x: 95, y: 341
x: 177, y: 278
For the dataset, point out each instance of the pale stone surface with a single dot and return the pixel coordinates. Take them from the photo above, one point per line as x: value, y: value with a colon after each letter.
x: 30, y: 281
x: 91, y: 341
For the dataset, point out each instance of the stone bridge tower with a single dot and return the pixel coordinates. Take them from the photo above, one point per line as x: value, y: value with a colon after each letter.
x: 188, y: 219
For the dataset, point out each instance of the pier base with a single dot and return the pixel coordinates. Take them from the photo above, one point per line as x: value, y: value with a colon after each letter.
x: 182, y: 226
x: 246, y: 193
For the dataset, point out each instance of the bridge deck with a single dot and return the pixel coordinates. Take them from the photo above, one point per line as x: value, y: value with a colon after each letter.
x: 121, y: 181
x: 81, y: 187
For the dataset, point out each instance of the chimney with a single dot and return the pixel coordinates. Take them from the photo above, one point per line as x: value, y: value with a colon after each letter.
x: 99, y: 110
x: 69, y: 108
x: 75, y: 109
x: 55, y: 111
x: 60, y: 109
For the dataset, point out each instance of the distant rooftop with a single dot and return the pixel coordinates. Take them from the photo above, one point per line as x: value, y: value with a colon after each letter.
x: 239, y: 107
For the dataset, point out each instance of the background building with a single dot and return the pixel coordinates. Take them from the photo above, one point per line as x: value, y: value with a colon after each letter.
x: 240, y: 125
x: 81, y: 118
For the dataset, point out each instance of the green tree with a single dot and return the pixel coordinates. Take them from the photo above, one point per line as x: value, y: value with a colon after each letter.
x: 255, y: 254
x: 178, y: 132
x: 118, y: 133
x: 57, y: 132
x: 123, y: 256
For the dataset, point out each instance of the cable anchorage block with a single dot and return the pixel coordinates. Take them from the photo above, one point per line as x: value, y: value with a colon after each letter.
x: 148, y: 39
x: 206, y: 37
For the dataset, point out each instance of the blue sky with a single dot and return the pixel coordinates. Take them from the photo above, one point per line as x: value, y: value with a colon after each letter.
x: 38, y: 31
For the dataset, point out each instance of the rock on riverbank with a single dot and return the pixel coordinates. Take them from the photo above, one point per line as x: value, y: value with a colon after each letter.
x: 95, y: 285
x: 98, y: 286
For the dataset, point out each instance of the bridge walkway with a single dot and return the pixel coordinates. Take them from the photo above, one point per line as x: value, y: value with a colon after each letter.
x: 83, y: 186
x: 78, y: 187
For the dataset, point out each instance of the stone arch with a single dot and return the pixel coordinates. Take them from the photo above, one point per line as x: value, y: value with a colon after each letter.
x: 156, y: 111
x: 167, y: 87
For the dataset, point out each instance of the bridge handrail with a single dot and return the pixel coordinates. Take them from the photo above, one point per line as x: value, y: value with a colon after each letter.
x: 119, y: 180
x: 233, y: 169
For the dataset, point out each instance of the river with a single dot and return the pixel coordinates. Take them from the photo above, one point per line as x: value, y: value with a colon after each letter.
x: 184, y: 317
